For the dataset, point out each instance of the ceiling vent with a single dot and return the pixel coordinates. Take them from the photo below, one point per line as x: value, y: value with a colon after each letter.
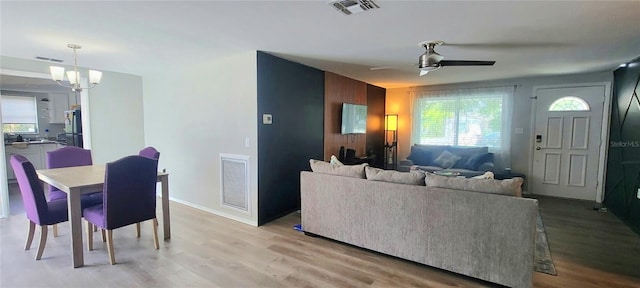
x: 349, y: 7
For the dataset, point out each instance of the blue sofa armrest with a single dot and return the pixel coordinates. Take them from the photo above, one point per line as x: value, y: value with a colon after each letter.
x: 405, y: 165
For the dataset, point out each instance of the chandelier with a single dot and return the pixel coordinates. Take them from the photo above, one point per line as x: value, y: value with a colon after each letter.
x: 57, y: 73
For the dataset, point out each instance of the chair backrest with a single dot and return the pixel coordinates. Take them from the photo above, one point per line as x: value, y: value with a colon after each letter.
x: 129, y: 194
x: 68, y: 156
x: 150, y: 152
x: 35, y: 204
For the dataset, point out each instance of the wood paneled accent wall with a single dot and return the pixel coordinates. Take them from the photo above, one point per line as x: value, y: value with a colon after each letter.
x: 337, y: 90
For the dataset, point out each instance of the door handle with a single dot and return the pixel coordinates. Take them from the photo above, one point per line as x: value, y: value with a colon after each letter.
x: 538, y: 148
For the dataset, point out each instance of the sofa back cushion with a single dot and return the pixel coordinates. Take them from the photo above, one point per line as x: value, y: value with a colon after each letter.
x: 475, y: 160
x: 415, y: 177
x: 424, y: 155
x: 511, y: 187
x: 465, y: 153
x: 355, y: 171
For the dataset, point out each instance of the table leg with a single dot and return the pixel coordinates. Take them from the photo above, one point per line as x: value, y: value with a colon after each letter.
x: 75, y: 220
x: 165, y: 207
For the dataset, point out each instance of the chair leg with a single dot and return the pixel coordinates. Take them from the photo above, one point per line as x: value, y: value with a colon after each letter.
x: 89, y: 235
x: 32, y: 230
x: 43, y: 241
x: 104, y: 236
x: 112, y: 257
x: 55, y: 230
x: 155, y: 233
x: 138, y: 229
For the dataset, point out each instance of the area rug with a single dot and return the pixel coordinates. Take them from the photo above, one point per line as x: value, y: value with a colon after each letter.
x: 542, y: 255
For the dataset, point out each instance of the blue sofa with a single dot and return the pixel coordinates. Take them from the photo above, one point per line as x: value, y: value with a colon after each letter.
x: 468, y: 161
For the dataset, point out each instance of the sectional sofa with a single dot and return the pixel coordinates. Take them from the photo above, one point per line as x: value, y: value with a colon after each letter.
x: 468, y: 161
x: 478, y: 234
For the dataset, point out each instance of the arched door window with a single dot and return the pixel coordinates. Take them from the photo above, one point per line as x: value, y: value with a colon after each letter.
x: 569, y: 103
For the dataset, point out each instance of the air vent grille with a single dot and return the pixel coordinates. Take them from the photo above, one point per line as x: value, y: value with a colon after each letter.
x: 349, y: 7
x: 234, y: 172
x: 49, y: 59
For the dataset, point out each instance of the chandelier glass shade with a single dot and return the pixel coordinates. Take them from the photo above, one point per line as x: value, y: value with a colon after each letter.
x: 58, y: 73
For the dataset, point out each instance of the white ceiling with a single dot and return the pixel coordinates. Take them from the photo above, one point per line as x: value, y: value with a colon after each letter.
x: 524, y: 38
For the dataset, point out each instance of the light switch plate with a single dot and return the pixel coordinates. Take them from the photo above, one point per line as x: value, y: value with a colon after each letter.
x: 267, y: 119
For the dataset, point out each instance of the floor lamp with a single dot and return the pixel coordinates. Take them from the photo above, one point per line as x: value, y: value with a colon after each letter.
x: 391, y: 141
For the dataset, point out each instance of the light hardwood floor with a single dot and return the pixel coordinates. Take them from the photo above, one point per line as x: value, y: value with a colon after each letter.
x: 589, y: 248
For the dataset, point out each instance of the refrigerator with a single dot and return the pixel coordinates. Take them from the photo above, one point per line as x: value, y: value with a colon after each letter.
x: 73, y: 127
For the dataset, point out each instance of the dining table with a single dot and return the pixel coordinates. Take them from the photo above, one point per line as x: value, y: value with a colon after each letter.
x: 78, y: 180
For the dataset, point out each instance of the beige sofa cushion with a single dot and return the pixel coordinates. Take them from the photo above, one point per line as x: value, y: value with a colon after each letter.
x: 415, y: 177
x: 512, y: 187
x: 355, y: 171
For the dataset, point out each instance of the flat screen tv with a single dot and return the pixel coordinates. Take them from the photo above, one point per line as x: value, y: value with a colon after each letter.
x: 354, y: 119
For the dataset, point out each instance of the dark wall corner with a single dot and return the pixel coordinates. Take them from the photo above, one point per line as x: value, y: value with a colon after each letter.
x: 623, y: 158
x: 293, y: 95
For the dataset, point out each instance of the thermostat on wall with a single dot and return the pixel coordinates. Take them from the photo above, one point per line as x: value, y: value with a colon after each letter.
x: 267, y: 119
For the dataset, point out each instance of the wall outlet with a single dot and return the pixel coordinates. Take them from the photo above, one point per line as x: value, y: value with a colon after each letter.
x: 638, y: 195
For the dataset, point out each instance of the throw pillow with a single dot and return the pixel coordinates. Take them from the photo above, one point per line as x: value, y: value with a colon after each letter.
x: 446, y: 159
x: 420, y: 156
x: 335, y: 161
x: 478, y: 159
x: 415, y: 177
x: 355, y: 171
x: 511, y: 187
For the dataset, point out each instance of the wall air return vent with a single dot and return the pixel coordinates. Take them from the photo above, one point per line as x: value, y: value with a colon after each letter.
x: 234, y: 182
x: 349, y: 7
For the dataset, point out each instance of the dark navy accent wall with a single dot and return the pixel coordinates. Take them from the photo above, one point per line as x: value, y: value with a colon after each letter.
x: 294, y: 95
x: 623, y: 162
x: 375, y: 123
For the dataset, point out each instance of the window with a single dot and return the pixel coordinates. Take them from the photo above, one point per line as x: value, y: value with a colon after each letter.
x: 464, y: 120
x: 569, y: 103
x: 19, y: 114
x: 465, y: 117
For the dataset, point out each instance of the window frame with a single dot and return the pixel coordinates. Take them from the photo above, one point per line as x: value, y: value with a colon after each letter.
x: 35, y: 124
x: 457, y: 119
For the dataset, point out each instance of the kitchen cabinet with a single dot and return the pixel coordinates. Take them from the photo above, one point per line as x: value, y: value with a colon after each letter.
x: 36, y: 153
x: 58, y: 103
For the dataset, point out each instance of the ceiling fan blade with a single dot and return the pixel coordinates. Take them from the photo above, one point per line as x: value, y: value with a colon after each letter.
x: 466, y: 63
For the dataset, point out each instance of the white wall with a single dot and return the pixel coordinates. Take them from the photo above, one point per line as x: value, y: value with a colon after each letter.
x: 116, y: 117
x: 399, y: 100
x: 194, y: 112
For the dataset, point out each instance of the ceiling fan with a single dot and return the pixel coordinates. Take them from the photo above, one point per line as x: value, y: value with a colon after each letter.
x: 431, y: 60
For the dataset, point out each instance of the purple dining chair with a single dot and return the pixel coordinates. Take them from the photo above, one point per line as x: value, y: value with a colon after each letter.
x: 149, y: 152
x: 129, y: 197
x: 39, y: 211
x: 70, y: 156
x: 67, y: 156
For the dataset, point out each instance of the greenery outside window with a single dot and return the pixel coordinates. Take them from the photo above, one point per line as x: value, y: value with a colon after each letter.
x: 19, y: 114
x: 465, y: 117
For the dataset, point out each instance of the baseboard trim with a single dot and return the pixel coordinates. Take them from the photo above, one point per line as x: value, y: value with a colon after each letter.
x: 213, y: 211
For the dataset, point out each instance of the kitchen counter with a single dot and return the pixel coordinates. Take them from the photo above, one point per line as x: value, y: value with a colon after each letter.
x: 32, y: 142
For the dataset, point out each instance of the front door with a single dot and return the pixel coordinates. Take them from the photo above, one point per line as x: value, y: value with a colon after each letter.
x: 568, y: 129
